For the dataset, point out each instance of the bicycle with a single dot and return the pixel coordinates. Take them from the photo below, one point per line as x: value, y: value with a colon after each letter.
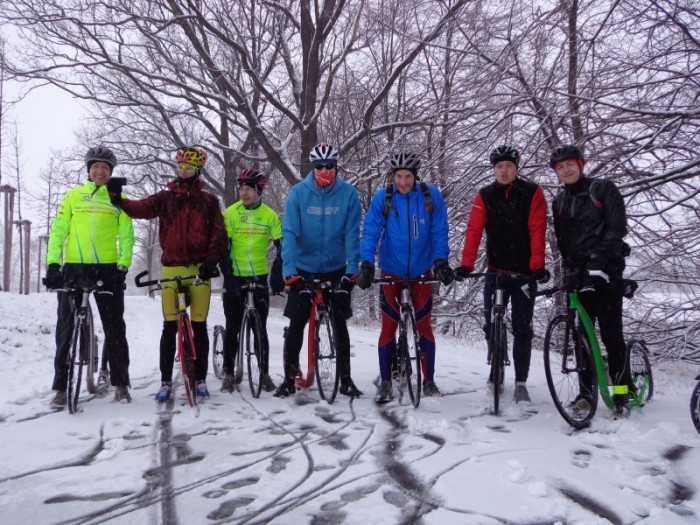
x: 572, y: 353
x: 186, y: 351
x: 255, y: 355
x: 83, y: 351
x: 408, y: 353
x: 497, y: 343
x: 322, y: 362
x: 695, y: 405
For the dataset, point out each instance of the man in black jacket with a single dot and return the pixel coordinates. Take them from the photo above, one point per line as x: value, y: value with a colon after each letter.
x: 590, y: 223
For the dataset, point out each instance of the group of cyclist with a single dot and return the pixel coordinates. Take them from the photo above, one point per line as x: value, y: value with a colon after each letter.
x: 320, y: 238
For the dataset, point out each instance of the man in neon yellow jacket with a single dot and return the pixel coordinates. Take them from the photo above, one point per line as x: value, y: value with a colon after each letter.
x: 94, y: 241
x: 250, y: 225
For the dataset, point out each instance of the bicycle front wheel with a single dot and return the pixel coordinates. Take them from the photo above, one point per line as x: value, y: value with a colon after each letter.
x: 186, y: 354
x: 93, y: 359
x: 326, y: 357
x: 498, y: 344
x: 76, y: 359
x: 251, y: 343
x: 640, y: 367
x: 570, y: 372
x: 410, y: 357
x: 217, y: 355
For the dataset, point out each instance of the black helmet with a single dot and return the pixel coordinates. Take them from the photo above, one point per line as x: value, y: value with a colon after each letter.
x: 508, y: 153
x: 405, y: 161
x: 565, y: 152
x: 254, y: 178
x: 100, y: 154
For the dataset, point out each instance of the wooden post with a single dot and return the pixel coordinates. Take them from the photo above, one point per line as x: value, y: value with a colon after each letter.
x: 9, y: 212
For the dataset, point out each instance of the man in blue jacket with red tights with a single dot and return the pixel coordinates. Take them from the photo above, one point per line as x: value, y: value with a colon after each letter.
x: 408, y: 221
x: 321, y: 232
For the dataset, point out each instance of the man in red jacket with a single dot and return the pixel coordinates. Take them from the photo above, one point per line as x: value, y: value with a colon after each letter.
x: 192, y: 236
x: 514, y: 214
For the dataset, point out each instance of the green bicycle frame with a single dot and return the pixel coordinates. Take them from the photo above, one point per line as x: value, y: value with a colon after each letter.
x: 636, y: 398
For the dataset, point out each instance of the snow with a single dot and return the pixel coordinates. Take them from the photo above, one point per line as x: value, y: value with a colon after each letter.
x: 244, y: 460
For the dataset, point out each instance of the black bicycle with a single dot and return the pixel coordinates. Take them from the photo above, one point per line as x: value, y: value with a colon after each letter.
x: 408, y: 352
x: 250, y: 343
x: 497, y: 347
x: 83, y: 352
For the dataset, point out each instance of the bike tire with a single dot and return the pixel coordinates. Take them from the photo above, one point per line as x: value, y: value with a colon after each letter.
x: 252, y: 328
x: 567, y: 356
x: 93, y: 359
x: 695, y: 407
x: 217, y: 355
x: 326, y: 357
x: 498, y: 348
x: 187, y: 360
x: 76, y: 356
x: 640, y: 367
x: 410, y: 349
x: 238, y: 365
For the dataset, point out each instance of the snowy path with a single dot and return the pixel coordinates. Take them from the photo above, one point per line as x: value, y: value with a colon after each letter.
x: 244, y: 460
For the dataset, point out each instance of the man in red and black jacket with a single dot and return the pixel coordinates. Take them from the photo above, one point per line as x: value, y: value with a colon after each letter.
x: 514, y: 214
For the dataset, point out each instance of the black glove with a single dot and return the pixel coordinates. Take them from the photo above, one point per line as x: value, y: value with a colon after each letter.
x: 118, y: 280
x: 443, y: 272
x: 463, y: 272
x: 365, y: 276
x: 54, y: 277
x: 347, y: 282
x: 232, y: 286
x: 541, y: 275
x: 115, y: 186
x: 572, y: 279
x: 276, y: 278
x: 208, y: 270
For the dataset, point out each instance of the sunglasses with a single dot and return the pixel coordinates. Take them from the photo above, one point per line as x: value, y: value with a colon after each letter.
x: 321, y: 167
x: 186, y: 167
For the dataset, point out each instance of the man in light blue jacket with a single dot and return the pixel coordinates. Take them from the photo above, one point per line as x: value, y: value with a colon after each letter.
x: 321, y: 232
x: 408, y: 221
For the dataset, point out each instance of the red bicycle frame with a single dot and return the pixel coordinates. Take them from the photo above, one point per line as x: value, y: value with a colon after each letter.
x: 308, y: 381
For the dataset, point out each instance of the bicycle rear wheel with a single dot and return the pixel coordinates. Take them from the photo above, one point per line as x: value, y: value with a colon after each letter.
x: 326, y: 357
x: 76, y: 359
x: 568, y: 365
x: 186, y: 353
x: 497, y: 343
x: 92, y: 357
x: 410, y: 357
x: 251, y: 343
x: 640, y: 367
x: 217, y: 355
x: 695, y: 406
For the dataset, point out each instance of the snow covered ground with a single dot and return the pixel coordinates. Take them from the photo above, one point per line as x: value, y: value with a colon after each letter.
x: 244, y: 460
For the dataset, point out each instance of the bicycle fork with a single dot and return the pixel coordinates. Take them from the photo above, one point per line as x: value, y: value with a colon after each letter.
x: 498, y: 311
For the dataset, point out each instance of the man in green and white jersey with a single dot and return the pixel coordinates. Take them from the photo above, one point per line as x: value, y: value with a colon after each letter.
x: 250, y: 225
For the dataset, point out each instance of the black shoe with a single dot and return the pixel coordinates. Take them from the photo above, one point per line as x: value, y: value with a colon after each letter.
x: 268, y: 385
x: 228, y: 384
x: 385, y: 393
x: 582, y: 403
x: 430, y: 389
x: 348, y: 388
x: 620, y: 405
x: 286, y: 389
x: 59, y: 401
x: 121, y: 393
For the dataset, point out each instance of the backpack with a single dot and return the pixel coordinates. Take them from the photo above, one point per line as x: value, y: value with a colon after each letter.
x: 427, y: 196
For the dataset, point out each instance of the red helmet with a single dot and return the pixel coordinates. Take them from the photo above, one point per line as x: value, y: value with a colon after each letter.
x: 254, y: 178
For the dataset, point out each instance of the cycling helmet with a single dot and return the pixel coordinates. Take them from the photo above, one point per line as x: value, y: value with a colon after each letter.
x: 254, y: 178
x: 100, y: 154
x: 405, y: 161
x: 195, y: 156
x: 501, y: 153
x: 323, y: 153
x: 566, y: 152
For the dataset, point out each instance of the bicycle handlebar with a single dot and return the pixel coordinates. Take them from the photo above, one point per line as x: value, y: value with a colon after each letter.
x: 156, y: 282
x: 389, y: 280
